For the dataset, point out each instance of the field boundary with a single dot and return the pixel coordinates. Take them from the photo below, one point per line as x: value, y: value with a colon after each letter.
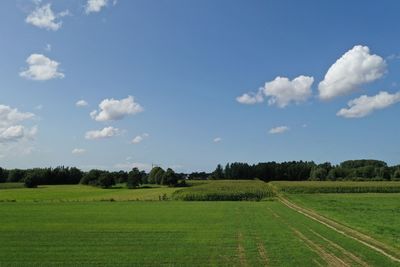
x: 366, y: 240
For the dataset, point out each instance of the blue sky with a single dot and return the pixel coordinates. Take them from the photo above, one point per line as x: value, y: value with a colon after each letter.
x: 187, y: 65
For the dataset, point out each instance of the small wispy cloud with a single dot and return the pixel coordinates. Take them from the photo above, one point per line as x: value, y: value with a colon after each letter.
x: 78, y: 151
x: 217, y: 139
x: 44, y: 17
x: 139, y: 138
x: 279, y: 130
x: 81, y: 103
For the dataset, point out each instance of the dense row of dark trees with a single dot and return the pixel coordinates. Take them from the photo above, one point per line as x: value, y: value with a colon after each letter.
x: 303, y: 170
x: 100, y: 178
x: 268, y: 171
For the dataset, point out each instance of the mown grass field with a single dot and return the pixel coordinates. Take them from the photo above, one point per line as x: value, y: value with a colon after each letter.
x: 173, y: 233
x: 78, y: 225
x: 375, y: 214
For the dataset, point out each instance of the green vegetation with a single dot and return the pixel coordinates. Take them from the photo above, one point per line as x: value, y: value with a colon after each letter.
x: 81, y: 225
x: 307, y: 187
x: 173, y: 233
x: 377, y: 215
x: 60, y: 193
x: 235, y: 190
x: 11, y: 185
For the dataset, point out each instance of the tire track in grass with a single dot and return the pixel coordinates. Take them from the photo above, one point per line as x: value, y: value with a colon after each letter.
x: 342, y: 250
x: 241, y: 251
x: 330, y: 259
x: 366, y: 240
x: 262, y: 252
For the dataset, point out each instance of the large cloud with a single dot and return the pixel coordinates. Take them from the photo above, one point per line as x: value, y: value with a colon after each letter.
x: 16, y: 133
x: 111, y: 109
x: 281, y: 92
x: 355, y: 68
x: 365, y: 105
x: 41, y: 68
x: 11, y: 116
x: 106, y: 132
x: 43, y: 17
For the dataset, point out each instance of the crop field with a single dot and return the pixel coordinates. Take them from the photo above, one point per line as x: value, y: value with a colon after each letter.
x: 377, y: 215
x: 225, y: 190
x: 306, y: 187
x: 60, y: 193
x: 77, y: 225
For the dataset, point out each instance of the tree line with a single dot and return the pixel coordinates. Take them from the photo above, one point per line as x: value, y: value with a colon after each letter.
x: 266, y: 171
x: 356, y: 170
x: 101, y: 178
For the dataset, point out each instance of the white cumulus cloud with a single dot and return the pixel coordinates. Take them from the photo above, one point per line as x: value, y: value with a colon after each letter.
x: 111, y: 109
x: 78, y: 151
x: 41, y: 68
x: 251, y: 98
x: 106, y: 132
x: 355, y: 68
x: 16, y: 133
x: 96, y: 5
x: 281, y: 92
x: 365, y: 105
x: 81, y: 103
x: 43, y: 17
x: 279, y: 130
x: 11, y: 116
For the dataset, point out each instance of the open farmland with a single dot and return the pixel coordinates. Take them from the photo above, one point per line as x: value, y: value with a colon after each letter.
x: 377, y: 215
x: 60, y: 193
x: 71, y: 226
x: 307, y: 187
x: 234, y: 190
x: 172, y: 234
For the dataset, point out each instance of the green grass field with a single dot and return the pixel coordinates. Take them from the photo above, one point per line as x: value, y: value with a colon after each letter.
x: 77, y: 225
x: 374, y: 214
x: 171, y: 234
x: 59, y: 193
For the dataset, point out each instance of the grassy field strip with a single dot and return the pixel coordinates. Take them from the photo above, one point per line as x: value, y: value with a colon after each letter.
x: 172, y: 233
x: 342, y: 250
x: 346, y: 231
x: 313, y: 187
x: 76, y: 193
x: 328, y: 258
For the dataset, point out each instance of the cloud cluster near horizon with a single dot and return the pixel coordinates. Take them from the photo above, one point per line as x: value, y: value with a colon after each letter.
x: 347, y: 75
x: 11, y: 128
